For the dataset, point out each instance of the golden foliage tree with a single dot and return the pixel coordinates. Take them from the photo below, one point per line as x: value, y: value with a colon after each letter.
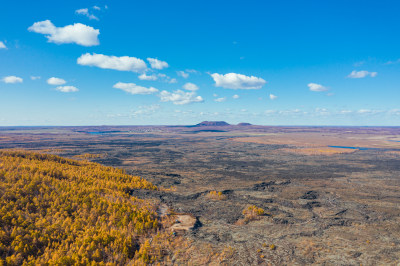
x: 60, y: 211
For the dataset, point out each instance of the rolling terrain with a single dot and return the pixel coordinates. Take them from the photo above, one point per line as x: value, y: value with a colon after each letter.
x: 329, y: 195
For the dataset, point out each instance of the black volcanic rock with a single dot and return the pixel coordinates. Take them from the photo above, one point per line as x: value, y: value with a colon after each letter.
x: 212, y: 123
x: 244, y: 124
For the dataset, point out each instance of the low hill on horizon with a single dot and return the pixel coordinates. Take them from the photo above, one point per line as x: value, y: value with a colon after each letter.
x: 212, y: 123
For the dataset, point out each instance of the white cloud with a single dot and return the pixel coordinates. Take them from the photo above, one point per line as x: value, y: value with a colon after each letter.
x: 270, y: 112
x: 56, y: 81
x: 363, y: 111
x: 368, y: 111
x: 77, y: 33
x: 2, y: 45
x: 146, y: 110
x: 166, y: 78
x: 132, y: 88
x: 220, y: 100
x: 358, y: 64
x: 123, y: 63
x: 393, y: 62
x: 321, y: 111
x: 291, y: 112
x: 96, y: 7
x: 35, y: 77
x: 394, y: 112
x: 193, y: 71
x: 67, y: 89
x: 215, y: 95
x: 237, y: 81
x: 273, y: 97
x: 182, y: 74
x: 157, y: 64
x: 180, y: 97
x: 361, y: 74
x: 85, y: 12
x: 148, y: 77
x: 12, y: 79
x: 190, y: 87
x: 82, y: 11
x: 345, y: 112
x: 316, y: 87
x: 235, y: 96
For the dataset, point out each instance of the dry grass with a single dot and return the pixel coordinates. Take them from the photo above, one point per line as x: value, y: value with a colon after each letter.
x: 319, y: 150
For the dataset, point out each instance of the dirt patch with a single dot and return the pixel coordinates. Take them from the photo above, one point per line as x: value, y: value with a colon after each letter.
x: 183, y: 223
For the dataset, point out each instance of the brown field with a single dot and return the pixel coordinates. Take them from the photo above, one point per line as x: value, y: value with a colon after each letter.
x: 323, y: 205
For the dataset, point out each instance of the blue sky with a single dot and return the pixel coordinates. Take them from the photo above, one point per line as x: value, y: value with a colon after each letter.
x: 182, y: 62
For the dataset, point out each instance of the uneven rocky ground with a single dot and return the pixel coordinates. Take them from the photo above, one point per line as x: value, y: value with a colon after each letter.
x: 322, y: 205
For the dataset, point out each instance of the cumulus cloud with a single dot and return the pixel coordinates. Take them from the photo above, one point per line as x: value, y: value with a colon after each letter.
x: 361, y: 74
x: 123, y: 63
x: 273, y: 97
x: 220, y: 100
x: 235, y: 96
x: 2, y: 45
x: 157, y: 64
x: 180, y: 97
x: 82, y: 11
x: 77, y: 33
x: 190, y: 87
x: 237, y: 81
x: 85, y: 12
x: 147, y: 77
x: 35, y: 77
x: 132, y: 88
x: 56, y: 81
x: 12, y: 79
x: 182, y: 74
x: 97, y: 7
x: 316, y: 87
x: 67, y: 89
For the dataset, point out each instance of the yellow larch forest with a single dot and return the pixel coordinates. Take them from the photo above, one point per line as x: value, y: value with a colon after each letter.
x: 61, y: 211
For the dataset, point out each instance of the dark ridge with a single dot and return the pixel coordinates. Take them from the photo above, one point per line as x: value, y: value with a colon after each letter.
x: 212, y: 123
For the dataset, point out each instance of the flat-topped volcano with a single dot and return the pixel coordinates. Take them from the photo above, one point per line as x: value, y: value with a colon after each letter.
x: 244, y: 124
x: 212, y: 124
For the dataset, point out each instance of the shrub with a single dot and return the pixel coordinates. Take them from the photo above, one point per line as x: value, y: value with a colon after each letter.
x: 251, y: 213
x: 216, y: 195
